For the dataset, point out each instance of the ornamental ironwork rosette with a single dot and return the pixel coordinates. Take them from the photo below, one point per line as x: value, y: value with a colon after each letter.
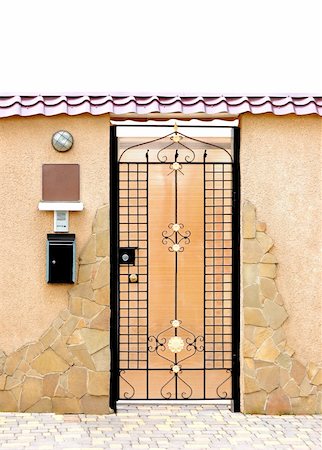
x: 175, y: 237
x: 187, y: 344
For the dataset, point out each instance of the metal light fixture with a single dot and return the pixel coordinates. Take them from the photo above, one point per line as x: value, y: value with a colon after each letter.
x: 62, y: 141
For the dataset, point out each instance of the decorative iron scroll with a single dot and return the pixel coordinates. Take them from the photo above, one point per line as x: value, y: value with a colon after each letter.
x: 175, y: 237
x: 224, y: 393
x: 176, y: 138
x: 170, y: 351
x: 178, y: 149
x: 176, y: 344
x: 127, y: 395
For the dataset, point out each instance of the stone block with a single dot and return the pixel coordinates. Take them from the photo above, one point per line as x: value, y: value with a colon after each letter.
x: 102, y: 243
x: 75, y: 338
x: 50, y: 383
x: 2, y: 381
x: 8, y: 403
x: 103, y: 274
x: 278, y: 403
x: 249, y: 367
x: 43, y: 406
x: 90, y: 309
x: 252, y: 252
x: 250, y: 385
x: 49, y: 336
x: 260, y: 335
x: 268, y: 377
x: 63, y: 380
x: 268, y: 287
x: 279, y: 336
x: 317, y: 379
x: 61, y: 349
x: 84, y: 273
x: 102, y: 295
x: 3, y: 358
x: 13, y: 381
x: 284, y: 360
x: 274, y: 314
x: 267, y: 270
x: 83, y: 290
x: 98, y: 383
x: 77, y: 381
x: 249, y: 220
x: 284, y: 377
x: 24, y: 366
x: 102, y: 320
x: 83, y: 323
x: 69, y: 326
x: 269, y: 258
x: 261, y: 226
x: 249, y: 349
x: 251, y: 296
x: 254, y: 316
x: 95, y: 404
x: 75, y: 305
x: 32, y: 391
x: 82, y: 356
x: 48, y: 362
x: 298, y: 371
x: 254, y: 403
x: 268, y: 351
x: 65, y: 313
x: 101, y: 221
x: 101, y: 360
x: 66, y: 405
x: 304, y: 405
x: 94, y: 339
x: 278, y: 299
x: 248, y: 332
x: 306, y: 388
x: 88, y: 254
x: 289, y: 350
x: 57, y: 323
x: 12, y: 363
x: 265, y: 241
x: 62, y: 392
x: 319, y: 403
x: 34, y: 350
x: 311, y: 369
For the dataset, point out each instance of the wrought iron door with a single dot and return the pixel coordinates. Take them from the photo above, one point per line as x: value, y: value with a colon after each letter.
x: 175, y: 258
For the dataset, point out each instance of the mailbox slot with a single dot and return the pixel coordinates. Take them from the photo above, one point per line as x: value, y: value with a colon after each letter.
x: 127, y: 256
x: 61, y: 258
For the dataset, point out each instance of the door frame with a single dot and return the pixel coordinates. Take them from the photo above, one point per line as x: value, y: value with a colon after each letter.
x: 114, y: 266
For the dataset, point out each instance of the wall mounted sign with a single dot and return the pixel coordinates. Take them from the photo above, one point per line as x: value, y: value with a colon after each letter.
x: 60, y: 182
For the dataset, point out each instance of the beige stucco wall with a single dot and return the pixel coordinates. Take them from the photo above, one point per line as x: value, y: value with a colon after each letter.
x: 28, y: 304
x: 280, y: 162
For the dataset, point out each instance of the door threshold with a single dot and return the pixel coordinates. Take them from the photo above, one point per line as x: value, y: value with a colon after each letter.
x: 174, y: 402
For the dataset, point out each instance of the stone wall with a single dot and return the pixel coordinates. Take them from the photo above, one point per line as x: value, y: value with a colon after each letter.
x: 274, y: 381
x: 67, y: 370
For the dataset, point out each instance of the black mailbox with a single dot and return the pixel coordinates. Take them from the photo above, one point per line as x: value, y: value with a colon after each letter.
x: 61, y: 258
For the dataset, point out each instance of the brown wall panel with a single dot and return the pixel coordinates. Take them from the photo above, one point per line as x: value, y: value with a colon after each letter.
x: 60, y: 182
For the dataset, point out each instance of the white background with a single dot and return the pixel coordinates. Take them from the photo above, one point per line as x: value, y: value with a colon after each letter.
x: 161, y: 46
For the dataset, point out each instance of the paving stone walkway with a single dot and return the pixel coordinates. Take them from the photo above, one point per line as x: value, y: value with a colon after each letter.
x: 160, y: 427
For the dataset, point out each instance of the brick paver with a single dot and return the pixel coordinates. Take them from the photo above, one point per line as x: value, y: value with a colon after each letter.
x: 160, y: 427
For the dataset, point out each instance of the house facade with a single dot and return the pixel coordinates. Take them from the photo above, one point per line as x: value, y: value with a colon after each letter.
x: 147, y: 260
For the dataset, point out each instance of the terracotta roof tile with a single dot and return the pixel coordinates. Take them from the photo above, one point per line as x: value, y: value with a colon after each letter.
x: 50, y: 105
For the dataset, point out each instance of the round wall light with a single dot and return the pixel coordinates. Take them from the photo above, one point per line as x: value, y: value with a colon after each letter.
x: 62, y: 141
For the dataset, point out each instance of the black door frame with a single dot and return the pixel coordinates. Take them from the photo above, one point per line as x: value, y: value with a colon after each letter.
x: 114, y: 268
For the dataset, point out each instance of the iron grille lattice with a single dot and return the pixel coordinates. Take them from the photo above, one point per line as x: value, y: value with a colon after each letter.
x: 135, y: 339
